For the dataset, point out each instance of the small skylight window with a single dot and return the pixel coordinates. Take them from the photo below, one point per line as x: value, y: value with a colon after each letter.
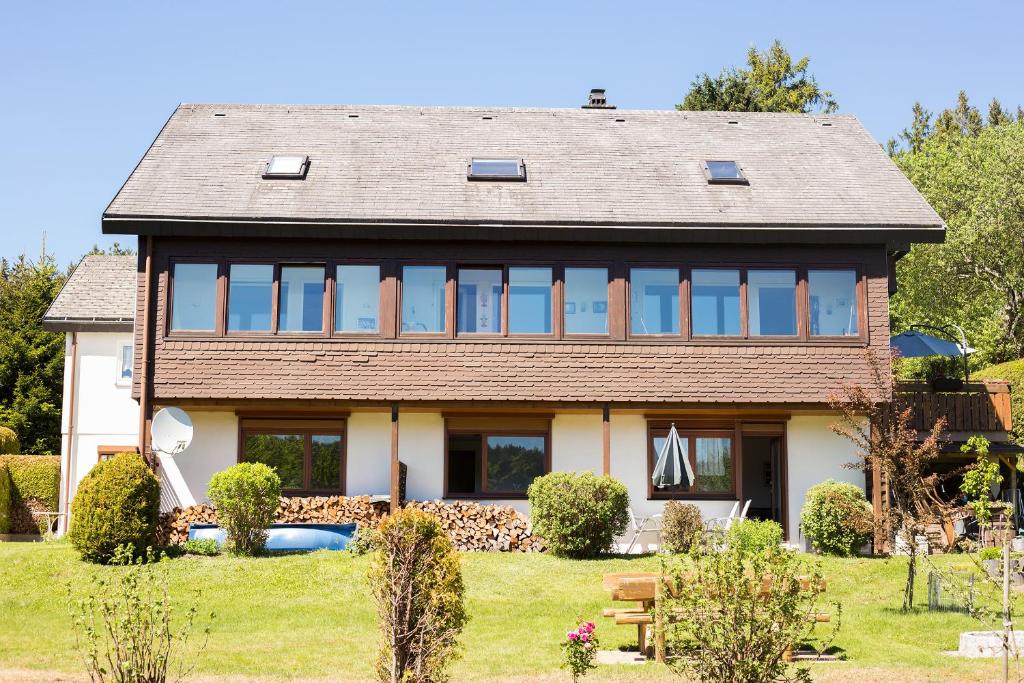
x: 497, y: 169
x: 724, y: 172
x: 287, y: 167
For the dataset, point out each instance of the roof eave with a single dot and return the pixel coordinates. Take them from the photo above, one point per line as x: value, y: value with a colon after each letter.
x: 88, y: 324
x: 764, y: 233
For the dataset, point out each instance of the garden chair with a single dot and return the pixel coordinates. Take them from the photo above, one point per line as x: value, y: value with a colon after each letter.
x: 641, y: 525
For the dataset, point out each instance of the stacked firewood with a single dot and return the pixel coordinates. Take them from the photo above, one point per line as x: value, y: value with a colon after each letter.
x: 472, y: 526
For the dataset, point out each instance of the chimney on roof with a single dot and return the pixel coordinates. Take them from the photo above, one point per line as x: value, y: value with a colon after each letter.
x: 597, y: 100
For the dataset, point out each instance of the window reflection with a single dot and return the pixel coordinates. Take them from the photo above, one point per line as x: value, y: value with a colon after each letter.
x: 529, y: 300
x: 423, y: 308
x: 250, y: 297
x: 654, y: 301
x: 357, y: 300
x: 833, y: 299
x: 715, y: 297
x: 771, y: 302
x: 586, y: 300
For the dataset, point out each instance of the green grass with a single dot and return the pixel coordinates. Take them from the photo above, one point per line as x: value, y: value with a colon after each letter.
x: 311, y: 616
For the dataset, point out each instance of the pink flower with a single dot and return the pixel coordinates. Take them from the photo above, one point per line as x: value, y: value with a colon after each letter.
x: 584, y: 637
x: 590, y: 627
x: 571, y: 635
x: 588, y: 646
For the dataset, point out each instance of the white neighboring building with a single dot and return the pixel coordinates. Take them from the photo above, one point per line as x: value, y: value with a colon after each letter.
x: 96, y: 311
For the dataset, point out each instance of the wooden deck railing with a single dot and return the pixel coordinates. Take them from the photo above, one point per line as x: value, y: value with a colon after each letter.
x: 978, y: 407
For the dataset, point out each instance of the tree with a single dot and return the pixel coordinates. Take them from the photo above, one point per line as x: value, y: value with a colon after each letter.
x: 879, y: 422
x: 113, y: 250
x: 772, y: 82
x: 31, y: 359
x: 975, y: 181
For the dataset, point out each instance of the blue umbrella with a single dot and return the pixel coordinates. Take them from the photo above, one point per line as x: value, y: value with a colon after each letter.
x: 914, y: 344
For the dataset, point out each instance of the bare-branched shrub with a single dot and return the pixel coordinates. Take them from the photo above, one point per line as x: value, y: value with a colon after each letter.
x: 681, y: 526
x: 731, y: 616
x: 125, y: 627
x: 416, y: 580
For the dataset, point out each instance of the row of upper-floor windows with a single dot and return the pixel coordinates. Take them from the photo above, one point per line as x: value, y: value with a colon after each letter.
x: 515, y: 300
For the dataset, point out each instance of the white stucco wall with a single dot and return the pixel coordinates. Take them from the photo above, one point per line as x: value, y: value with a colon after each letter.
x: 815, y: 454
x: 105, y: 413
x: 576, y: 442
x: 368, y: 454
x: 186, y: 476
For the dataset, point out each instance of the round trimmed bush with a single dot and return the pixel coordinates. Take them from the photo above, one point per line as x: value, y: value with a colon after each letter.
x: 681, y: 525
x: 8, y: 441
x: 837, y: 518
x: 117, y: 504
x: 751, y: 536
x: 579, y: 515
x: 246, y: 497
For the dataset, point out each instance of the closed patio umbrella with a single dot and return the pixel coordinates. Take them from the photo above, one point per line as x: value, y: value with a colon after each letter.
x: 672, y: 462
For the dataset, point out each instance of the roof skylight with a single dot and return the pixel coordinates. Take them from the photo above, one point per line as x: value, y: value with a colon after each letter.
x: 497, y: 169
x: 724, y: 172
x: 290, y: 166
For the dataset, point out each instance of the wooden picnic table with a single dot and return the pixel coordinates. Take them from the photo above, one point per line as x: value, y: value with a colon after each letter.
x: 646, y: 589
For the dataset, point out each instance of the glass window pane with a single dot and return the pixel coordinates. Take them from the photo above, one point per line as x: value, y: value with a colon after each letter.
x: 772, y: 302
x: 126, y: 365
x: 194, y: 302
x: 529, y: 300
x: 659, y: 442
x: 724, y: 169
x: 325, y: 460
x: 586, y: 300
x: 714, y: 464
x: 654, y: 301
x: 478, y: 306
x: 513, y: 462
x: 250, y: 296
x: 833, y: 296
x: 496, y: 168
x: 465, y: 463
x: 357, y: 301
x: 282, y: 452
x: 302, y: 299
x: 715, y: 297
x: 423, y: 298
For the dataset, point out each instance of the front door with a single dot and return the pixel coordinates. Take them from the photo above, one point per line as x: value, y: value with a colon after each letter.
x: 764, y: 476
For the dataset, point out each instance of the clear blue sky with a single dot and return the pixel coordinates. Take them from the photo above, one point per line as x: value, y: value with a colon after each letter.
x: 86, y: 85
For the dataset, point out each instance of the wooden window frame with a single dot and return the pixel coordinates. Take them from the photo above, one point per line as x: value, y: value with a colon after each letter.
x: 107, y: 452
x: 326, y: 317
x: 730, y: 431
x: 683, y: 333
x: 384, y: 321
x: 484, y: 432
x: 614, y: 307
x: 220, y: 300
x: 449, y: 301
x: 860, y: 294
x: 799, y: 309
x: 307, y: 427
x: 274, y: 296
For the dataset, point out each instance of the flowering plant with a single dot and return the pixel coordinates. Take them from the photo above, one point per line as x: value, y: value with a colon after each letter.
x: 580, y: 649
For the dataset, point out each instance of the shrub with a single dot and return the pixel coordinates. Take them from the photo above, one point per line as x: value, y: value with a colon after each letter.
x: 118, y: 503
x: 34, y: 487
x: 8, y: 441
x: 837, y: 518
x: 364, y: 542
x: 579, y: 515
x: 990, y: 554
x: 5, y: 499
x: 754, y: 536
x: 580, y: 650
x: 246, y: 496
x: 202, y: 546
x: 681, y: 525
x: 416, y: 581
x: 124, y: 630
x: 1012, y: 372
x: 732, y: 615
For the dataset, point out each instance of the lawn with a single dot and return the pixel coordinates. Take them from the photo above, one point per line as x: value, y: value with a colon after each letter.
x: 311, y: 616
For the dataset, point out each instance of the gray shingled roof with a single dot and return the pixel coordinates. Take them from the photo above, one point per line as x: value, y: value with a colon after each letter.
x: 407, y: 165
x: 99, y: 296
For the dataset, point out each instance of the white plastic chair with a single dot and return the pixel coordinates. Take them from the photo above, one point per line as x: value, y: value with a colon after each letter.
x: 641, y: 525
x: 722, y: 523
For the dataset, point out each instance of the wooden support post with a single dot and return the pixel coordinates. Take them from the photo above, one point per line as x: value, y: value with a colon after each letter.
x: 659, y: 619
x: 876, y: 505
x: 606, y: 440
x: 395, y: 493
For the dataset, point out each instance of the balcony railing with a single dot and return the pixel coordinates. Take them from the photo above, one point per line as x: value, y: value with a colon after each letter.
x: 977, y: 407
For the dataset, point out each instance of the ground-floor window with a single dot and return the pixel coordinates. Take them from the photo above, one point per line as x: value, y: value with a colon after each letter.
x: 494, y: 461
x: 308, y: 455
x: 712, y: 457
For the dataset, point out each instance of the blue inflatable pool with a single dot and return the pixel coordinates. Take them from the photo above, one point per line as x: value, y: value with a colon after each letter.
x: 284, y: 537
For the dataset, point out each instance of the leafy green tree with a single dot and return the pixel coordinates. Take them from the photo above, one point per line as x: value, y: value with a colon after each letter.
x: 771, y: 82
x: 974, y: 177
x: 116, y: 249
x: 31, y: 359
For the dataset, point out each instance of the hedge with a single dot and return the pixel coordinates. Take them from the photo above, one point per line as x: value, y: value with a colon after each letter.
x: 5, y: 500
x: 1012, y: 372
x: 34, y: 486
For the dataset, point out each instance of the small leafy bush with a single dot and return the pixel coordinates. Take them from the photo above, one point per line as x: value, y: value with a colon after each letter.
x: 5, y: 499
x: 416, y: 580
x: 246, y: 497
x: 990, y: 554
x: 364, y: 542
x: 837, y: 518
x: 754, y: 536
x: 731, y: 615
x: 580, y: 650
x: 35, y: 486
x: 126, y: 629
x: 681, y: 526
x: 202, y: 546
x: 8, y: 441
x: 579, y: 515
x: 117, y: 504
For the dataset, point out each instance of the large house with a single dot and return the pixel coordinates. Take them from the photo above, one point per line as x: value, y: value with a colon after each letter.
x: 476, y: 296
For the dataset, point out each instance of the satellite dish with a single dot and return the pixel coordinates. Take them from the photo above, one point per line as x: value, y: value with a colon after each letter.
x: 171, y: 431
